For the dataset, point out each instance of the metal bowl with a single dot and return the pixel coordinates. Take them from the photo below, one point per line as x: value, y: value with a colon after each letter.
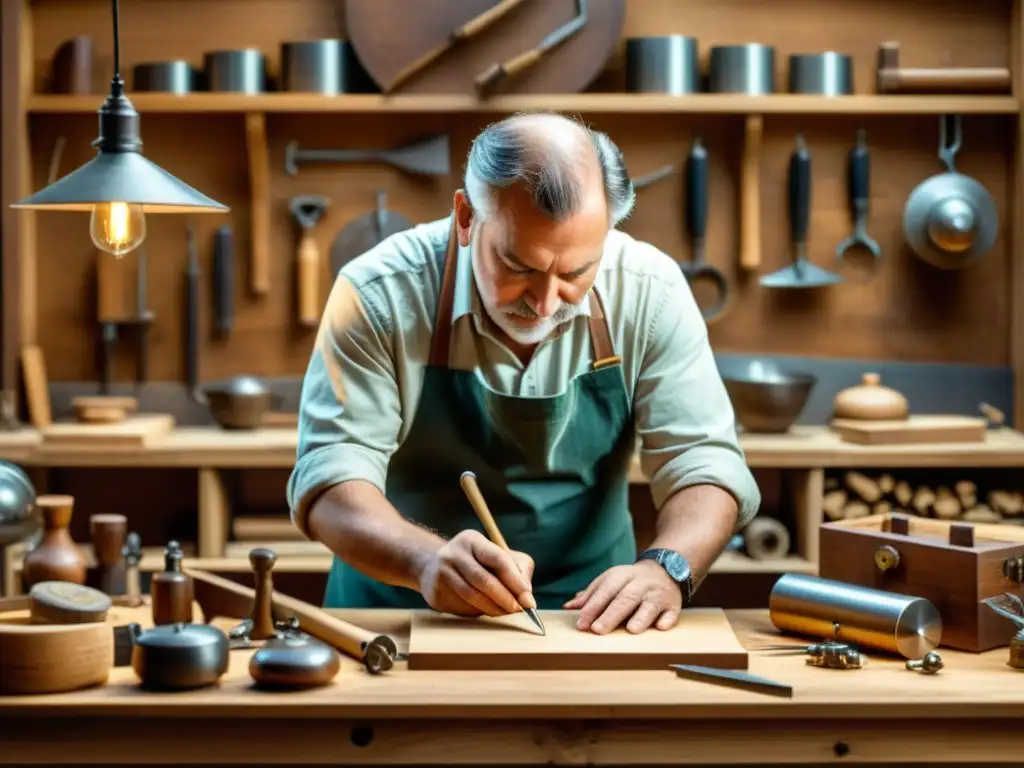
x: 767, y: 398
x: 18, y: 515
x: 240, y: 403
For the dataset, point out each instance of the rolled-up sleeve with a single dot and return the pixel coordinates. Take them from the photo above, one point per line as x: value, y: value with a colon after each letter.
x: 684, y: 417
x: 350, y: 409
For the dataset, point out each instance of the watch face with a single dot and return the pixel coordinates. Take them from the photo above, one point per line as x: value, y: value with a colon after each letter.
x: 676, y: 566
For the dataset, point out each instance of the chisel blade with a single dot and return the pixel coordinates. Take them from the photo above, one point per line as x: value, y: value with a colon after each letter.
x: 732, y: 678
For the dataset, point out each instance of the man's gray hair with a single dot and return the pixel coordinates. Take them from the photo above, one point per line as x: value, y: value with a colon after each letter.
x: 505, y: 153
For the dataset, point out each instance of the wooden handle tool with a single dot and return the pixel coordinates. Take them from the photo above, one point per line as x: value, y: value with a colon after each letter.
x: 308, y: 210
x: 476, y: 500
x: 470, y: 29
x: 750, y: 195
x: 219, y: 597
x: 259, y: 202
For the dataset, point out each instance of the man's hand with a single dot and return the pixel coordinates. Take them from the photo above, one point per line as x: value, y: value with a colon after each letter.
x: 471, y: 575
x: 643, y: 593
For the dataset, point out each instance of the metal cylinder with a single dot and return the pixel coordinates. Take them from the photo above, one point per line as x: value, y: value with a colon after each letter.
x: 668, y: 64
x: 242, y: 71
x: 748, y: 69
x: 323, y: 66
x: 809, y: 605
x: 164, y: 77
x: 822, y: 74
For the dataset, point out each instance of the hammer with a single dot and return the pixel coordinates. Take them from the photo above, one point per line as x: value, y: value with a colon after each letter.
x: 308, y: 210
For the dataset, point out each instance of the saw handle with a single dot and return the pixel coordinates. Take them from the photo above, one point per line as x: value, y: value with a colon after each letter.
x: 308, y: 265
x: 799, y: 191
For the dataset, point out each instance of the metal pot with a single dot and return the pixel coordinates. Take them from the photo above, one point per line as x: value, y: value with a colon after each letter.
x: 241, y: 402
x: 766, y: 398
x: 950, y: 220
x: 748, y: 69
x: 165, y: 77
x: 668, y: 64
x: 243, y: 71
x: 180, y: 656
x: 822, y: 74
x: 328, y: 67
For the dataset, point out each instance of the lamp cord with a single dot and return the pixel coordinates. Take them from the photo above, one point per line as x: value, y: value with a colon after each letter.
x: 117, y: 84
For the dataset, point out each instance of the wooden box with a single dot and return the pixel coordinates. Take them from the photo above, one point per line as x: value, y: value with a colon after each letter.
x: 953, y: 565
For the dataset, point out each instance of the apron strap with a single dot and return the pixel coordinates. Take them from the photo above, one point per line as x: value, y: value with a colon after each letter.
x: 440, y: 344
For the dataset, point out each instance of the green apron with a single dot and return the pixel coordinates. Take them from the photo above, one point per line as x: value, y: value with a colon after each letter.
x: 554, y: 470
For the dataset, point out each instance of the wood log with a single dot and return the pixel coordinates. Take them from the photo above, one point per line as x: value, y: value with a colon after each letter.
x: 1006, y: 503
x: 967, y: 492
x: 881, y: 508
x: 923, y: 500
x: 946, y: 505
x: 903, y: 493
x: 863, y: 486
x: 982, y: 513
x: 856, y: 509
x: 834, y: 504
x: 886, y: 484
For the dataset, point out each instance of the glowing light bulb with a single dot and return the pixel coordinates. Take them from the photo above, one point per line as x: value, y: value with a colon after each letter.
x: 117, y: 228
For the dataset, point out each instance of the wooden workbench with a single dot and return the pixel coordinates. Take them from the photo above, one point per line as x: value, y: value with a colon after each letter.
x: 971, y: 712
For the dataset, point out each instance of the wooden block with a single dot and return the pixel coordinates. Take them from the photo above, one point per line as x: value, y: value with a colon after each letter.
x: 952, y: 565
x: 133, y: 432
x: 444, y: 642
x: 916, y: 429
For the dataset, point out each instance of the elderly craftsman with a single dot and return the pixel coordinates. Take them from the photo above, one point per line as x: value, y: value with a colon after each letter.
x: 525, y: 339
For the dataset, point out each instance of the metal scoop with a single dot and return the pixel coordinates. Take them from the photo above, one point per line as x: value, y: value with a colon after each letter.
x: 801, y: 273
x: 696, y: 222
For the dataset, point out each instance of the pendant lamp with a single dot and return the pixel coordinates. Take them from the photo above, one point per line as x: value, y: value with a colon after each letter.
x: 119, y: 186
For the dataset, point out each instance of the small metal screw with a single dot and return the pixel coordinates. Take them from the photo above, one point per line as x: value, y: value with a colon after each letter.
x: 929, y: 665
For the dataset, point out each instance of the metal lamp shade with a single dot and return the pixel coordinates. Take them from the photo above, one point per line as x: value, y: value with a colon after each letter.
x: 950, y: 220
x: 121, y: 177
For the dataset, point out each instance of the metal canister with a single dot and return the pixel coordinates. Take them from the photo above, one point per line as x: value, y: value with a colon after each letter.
x: 322, y: 66
x: 668, y: 64
x: 748, y: 69
x: 164, y: 77
x: 809, y: 605
x: 822, y: 74
x: 242, y: 71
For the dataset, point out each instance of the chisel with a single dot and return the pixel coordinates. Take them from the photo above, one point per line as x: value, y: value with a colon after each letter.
x: 476, y: 500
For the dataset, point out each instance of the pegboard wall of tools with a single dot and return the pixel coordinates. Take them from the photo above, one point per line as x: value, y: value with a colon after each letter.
x: 857, y: 191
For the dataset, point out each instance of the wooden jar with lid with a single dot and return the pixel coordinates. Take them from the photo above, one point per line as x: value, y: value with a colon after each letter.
x: 871, y: 401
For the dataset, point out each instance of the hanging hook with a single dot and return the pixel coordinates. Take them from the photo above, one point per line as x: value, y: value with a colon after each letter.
x: 947, y: 152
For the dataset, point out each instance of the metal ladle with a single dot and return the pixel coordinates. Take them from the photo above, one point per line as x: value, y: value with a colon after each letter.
x: 698, y: 269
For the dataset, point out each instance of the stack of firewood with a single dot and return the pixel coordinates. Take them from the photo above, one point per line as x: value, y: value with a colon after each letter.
x: 858, y: 495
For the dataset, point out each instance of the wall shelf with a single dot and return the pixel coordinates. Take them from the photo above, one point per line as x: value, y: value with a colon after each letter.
x: 781, y: 104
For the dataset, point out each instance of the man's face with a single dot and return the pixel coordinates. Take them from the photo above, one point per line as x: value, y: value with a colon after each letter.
x: 533, y: 273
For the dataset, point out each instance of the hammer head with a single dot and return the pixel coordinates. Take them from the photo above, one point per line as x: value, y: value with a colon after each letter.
x: 308, y: 209
x: 290, y: 150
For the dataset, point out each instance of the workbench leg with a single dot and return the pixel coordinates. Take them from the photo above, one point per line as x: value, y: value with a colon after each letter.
x: 214, y: 514
x: 807, y: 488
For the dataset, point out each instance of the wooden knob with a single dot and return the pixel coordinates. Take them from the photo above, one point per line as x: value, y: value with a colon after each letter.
x: 56, y: 509
x: 262, y: 560
x: 871, y: 380
x: 108, y: 537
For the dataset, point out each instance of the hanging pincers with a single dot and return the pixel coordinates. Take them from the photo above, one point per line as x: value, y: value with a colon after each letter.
x: 859, y: 189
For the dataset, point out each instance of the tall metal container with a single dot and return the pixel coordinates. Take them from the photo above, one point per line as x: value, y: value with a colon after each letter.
x: 809, y: 605
x: 242, y: 71
x: 668, y: 64
x: 748, y: 69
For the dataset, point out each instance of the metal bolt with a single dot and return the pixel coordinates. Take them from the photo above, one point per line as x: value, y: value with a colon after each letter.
x: 929, y: 665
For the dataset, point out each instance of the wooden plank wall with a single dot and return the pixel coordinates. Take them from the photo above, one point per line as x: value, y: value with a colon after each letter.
x: 909, y: 312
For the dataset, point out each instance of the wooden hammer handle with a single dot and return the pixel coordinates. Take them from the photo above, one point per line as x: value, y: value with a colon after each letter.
x: 750, y: 195
x: 308, y: 266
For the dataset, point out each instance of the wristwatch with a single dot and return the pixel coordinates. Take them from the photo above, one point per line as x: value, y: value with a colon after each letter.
x: 676, y: 566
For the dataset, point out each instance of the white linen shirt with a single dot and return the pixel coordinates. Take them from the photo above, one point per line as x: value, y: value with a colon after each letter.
x: 362, y: 385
